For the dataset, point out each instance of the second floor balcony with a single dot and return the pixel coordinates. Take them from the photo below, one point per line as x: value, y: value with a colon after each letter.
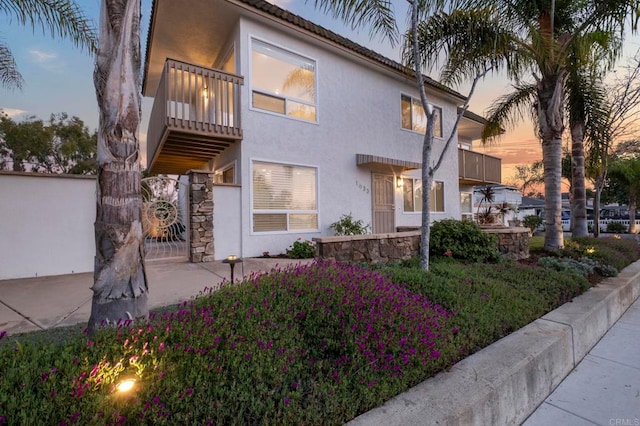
x: 475, y: 168
x: 195, y: 116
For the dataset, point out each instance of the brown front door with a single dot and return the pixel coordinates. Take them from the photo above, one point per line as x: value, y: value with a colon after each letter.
x: 383, y: 204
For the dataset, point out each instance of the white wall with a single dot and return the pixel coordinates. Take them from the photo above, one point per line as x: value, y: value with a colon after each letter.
x: 226, y: 220
x: 358, y: 111
x: 46, y: 224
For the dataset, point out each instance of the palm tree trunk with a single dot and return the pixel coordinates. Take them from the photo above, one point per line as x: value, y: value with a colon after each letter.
x: 550, y: 96
x: 578, y: 189
x: 596, y: 206
x: 632, y: 212
x: 120, y: 284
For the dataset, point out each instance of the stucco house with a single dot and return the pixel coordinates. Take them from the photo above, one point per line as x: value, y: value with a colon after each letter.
x: 296, y: 126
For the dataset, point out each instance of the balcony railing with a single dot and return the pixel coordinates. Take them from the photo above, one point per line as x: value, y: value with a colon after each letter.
x: 195, y: 115
x: 476, y: 168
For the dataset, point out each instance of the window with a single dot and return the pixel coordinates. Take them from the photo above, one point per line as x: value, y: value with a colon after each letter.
x: 414, y: 118
x: 284, y: 197
x: 466, y: 204
x: 226, y: 174
x: 412, y: 196
x: 229, y: 64
x: 282, y: 82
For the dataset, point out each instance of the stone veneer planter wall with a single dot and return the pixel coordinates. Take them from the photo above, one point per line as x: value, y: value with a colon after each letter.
x: 201, y: 220
x: 369, y: 248
x: 512, y: 242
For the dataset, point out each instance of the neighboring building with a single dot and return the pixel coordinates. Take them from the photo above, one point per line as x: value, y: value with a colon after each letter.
x: 298, y: 126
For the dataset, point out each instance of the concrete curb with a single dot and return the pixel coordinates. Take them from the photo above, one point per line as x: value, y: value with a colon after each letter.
x: 505, y: 382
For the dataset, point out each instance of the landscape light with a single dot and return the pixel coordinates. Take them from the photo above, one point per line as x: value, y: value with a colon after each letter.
x: 125, y: 385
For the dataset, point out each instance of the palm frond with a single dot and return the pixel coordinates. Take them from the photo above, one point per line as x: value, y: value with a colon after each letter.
x: 508, y: 109
x: 377, y: 14
x: 61, y: 18
x: 9, y: 75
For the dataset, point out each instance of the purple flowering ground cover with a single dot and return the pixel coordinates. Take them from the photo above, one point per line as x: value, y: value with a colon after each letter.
x: 315, y: 344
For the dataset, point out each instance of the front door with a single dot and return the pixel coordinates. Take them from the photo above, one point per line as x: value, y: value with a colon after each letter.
x: 383, y: 204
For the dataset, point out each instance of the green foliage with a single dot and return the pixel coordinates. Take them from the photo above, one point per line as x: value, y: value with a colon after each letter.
x: 462, y: 240
x: 613, y: 251
x: 348, y: 226
x: 489, y: 300
x: 61, y: 145
x: 616, y: 227
x: 301, y: 249
x: 532, y: 222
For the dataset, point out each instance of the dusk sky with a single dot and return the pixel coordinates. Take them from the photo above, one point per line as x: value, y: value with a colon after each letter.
x: 58, y: 77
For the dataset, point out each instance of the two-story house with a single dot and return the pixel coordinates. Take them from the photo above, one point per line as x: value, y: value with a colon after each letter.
x: 298, y: 125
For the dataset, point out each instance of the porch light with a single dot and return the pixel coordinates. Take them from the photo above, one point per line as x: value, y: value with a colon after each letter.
x: 232, y: 260
x: 205, y: 92
x: 399, y: 182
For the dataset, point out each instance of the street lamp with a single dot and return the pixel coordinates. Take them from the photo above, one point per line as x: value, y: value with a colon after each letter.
x: 232, y: 260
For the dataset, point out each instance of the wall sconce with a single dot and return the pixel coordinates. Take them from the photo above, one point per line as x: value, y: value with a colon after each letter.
x: 399, y: 182
x: 205, y: 92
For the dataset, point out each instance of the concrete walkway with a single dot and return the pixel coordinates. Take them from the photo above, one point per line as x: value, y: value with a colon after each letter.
x: 603, y: 389
x: 40, y: 303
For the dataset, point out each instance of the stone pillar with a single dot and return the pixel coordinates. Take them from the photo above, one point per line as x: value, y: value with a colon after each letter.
x: 201, y: 220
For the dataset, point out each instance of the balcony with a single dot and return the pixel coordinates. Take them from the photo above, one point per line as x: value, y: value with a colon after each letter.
x: 478, y: 169
x: 195, y: 116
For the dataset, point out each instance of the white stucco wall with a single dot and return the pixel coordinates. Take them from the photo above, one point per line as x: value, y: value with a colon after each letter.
x: 46, y: 225
x: 226, y: 220
x: 358, y: 111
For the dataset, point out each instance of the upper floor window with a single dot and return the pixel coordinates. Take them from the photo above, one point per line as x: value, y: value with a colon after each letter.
x: 282, y: 82
x: 412, y: 197
x: 226, y: 174
x: 414, y: 118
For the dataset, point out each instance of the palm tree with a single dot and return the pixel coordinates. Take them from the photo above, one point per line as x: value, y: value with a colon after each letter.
x: 528, y: 40
x: 120, y: 284
x: 586, y: 107
x: 62, y: 18
x: 626, y: 172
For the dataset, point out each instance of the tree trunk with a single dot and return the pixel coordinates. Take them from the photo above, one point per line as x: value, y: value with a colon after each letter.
x: 120, y: 284
x: 550, y: 97
x: 578, y: 188
x: 632, y: 211
x: 596, y: 207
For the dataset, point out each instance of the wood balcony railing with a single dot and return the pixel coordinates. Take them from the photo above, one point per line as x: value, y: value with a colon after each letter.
x: 195, y: 116
x: 478, y: 169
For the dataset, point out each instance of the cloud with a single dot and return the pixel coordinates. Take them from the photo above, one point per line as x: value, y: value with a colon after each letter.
x: 47, y: 60
x: 13, y: 112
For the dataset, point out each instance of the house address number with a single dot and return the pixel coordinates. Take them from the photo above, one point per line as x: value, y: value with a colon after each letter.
x: 362, y: 187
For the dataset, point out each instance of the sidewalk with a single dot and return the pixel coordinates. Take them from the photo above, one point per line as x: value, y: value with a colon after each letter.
x: 603, y: 389
x: 31, y: 304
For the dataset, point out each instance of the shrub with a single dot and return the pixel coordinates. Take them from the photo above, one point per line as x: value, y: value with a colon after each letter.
x: 613, y: 251
x: 302, y: 249
x: 532, y: 222
x: 315, y: 344
x: 462, y: 240
x: 616, y: 227
x: 567, y: 264
x: 348, y: 226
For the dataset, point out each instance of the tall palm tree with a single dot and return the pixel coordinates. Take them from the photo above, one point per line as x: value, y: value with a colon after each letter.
x: 120, y: 287
x: 61, y: 18
x: 586, y: 106
x: 626, y: 172
x: 530, y: 40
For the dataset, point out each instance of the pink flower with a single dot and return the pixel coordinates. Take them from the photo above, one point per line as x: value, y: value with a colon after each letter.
x: 448, y: 253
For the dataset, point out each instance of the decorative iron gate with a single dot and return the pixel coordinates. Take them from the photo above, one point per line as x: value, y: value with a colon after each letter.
x: 165, y: 217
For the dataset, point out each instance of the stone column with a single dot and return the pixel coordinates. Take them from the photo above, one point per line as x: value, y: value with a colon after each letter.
x: 201, y: 221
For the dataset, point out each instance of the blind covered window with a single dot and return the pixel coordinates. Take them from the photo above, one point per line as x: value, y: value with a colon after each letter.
x: 284, y: 197
x: 413, y: 196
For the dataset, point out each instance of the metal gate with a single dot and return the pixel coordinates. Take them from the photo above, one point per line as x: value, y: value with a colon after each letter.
x: 165, y: 217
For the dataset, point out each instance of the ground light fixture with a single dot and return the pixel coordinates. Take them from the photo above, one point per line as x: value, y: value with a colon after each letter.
x: 232, y: 260
x: 126, y: 384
